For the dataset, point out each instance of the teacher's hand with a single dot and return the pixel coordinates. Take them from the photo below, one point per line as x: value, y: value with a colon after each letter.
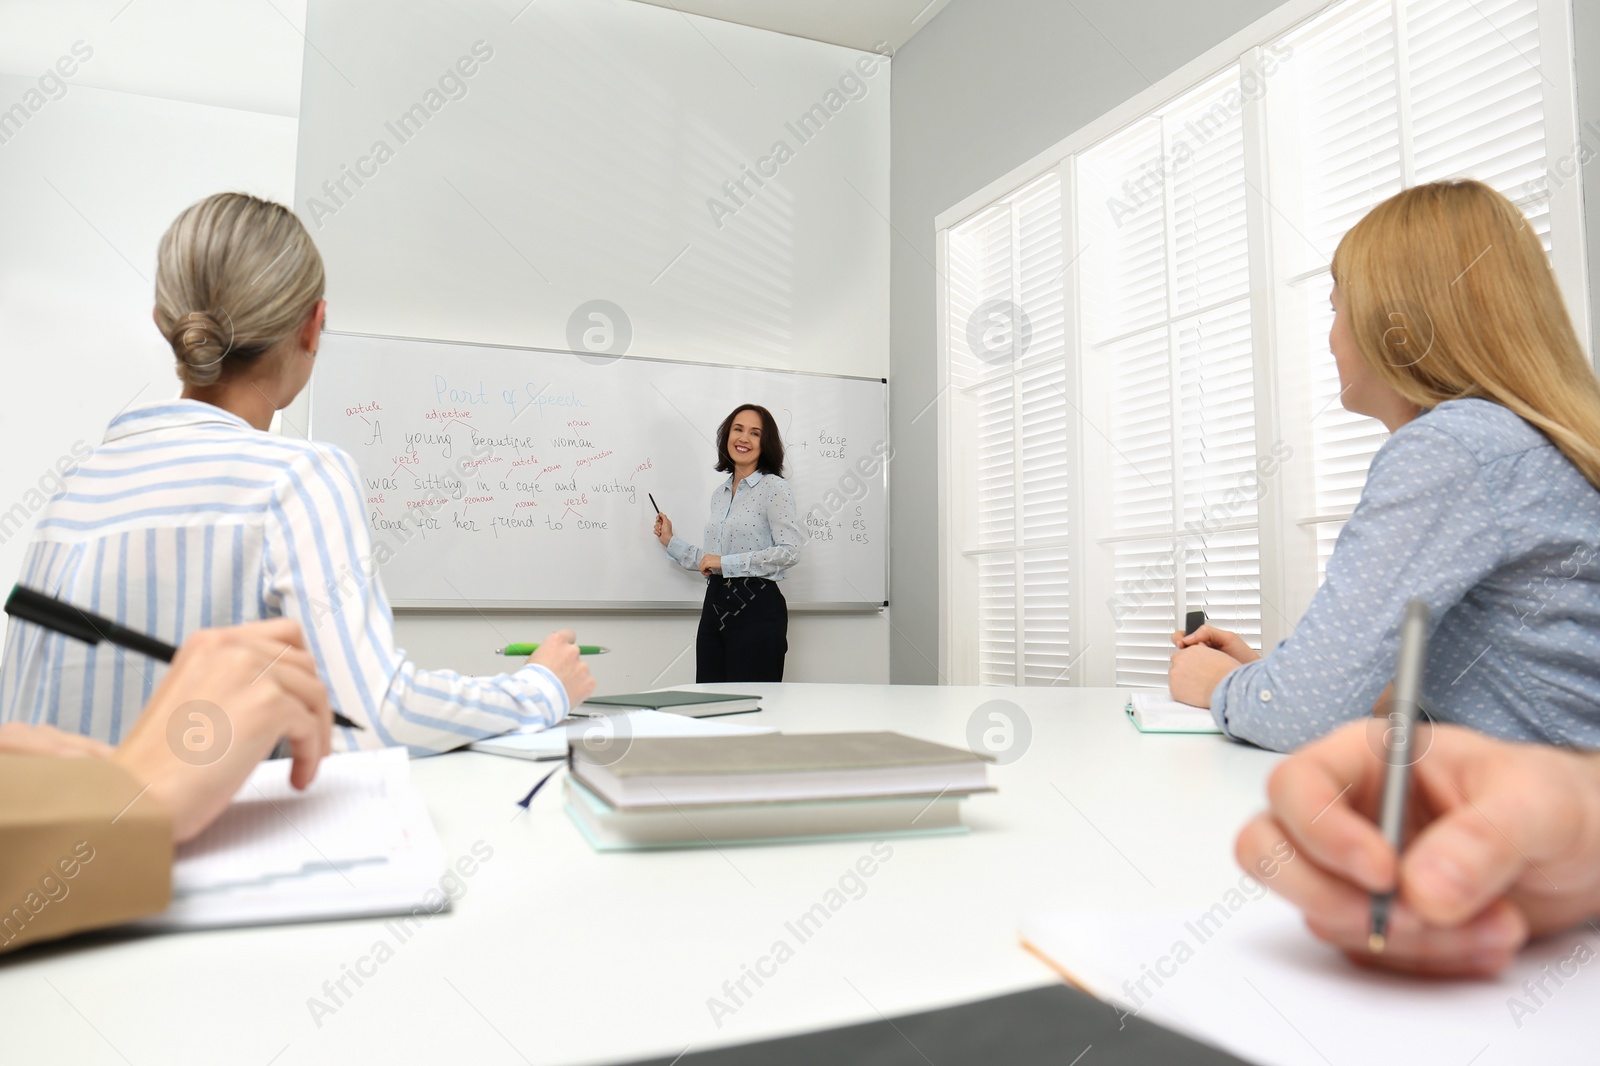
x: 710, y: 564
x: 1507, y: 846
x: 663, y: 529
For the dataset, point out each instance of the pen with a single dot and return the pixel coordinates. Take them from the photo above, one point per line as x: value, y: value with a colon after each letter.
x: 33, y: 606
x: 529, y: 649
x: 1403, y: 711
x: 653, y: 502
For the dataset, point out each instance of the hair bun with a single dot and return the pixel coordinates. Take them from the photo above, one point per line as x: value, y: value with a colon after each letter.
x: 200, y: 343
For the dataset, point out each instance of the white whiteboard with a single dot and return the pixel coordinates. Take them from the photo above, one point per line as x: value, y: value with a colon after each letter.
x: 518, y: 477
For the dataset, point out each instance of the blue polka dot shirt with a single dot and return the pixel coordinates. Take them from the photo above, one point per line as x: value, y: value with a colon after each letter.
x: 1474, y: 511
x: 756, y: 531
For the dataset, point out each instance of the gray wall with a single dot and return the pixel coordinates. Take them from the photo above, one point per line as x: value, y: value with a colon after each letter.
x: 986, y: 86
x: 1586, y: 41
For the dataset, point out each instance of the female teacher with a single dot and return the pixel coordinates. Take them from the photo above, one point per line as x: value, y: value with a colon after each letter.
x: 754, y: 533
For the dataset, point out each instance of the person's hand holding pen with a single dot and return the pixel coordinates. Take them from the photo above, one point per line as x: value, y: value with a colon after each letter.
x: 559, y: 653
x: 1505, y: 845
x: 663, y: 529
x: 229, y: 697
x: 1210, y: 636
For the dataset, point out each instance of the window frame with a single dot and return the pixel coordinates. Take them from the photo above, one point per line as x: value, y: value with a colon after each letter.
x: 1287, y: 565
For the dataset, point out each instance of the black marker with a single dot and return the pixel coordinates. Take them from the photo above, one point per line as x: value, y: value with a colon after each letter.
x: 653, y: 503
x: 33, y: 606
x: 1193, y: 621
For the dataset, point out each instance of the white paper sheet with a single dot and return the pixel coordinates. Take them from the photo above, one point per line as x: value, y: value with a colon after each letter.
x: 552, y: 743
x: 1247, y: 976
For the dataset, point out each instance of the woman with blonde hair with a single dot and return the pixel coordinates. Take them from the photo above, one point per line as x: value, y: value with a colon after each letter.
x: 1484, y: 502
x: 192, y: 515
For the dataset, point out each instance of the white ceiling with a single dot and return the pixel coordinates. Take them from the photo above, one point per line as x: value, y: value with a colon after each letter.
x: 854, y: 23
x: 227, y: 53
x: 247, y: 53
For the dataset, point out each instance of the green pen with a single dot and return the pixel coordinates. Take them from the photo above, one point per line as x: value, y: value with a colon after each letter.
x: 529, y: 649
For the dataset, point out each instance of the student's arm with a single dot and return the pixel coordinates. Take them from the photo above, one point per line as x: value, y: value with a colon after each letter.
x: 71, y: 863
x: 321, y: 572
x: 87, y: 833
x: 1425, y: 529
x: 1507, y: 846
x: 784, y: 521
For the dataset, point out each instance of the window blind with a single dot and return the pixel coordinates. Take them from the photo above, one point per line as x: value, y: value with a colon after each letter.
x: 1470, y: 105
x: 1170, y: 259
x: 1009, y: 322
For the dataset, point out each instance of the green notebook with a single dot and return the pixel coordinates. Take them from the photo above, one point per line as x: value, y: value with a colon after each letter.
x: 693, y: 704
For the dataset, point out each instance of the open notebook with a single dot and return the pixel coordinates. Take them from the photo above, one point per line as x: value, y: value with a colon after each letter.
x: 551, y: 743
x: 1246, y: 976
x: 1155, y: 711
x: 357, y: 842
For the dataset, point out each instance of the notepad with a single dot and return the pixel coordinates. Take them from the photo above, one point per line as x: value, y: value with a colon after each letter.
x: 1246, y: 976
x: 357, y: 842
x: 552, y: 743
x: 1155, y: 711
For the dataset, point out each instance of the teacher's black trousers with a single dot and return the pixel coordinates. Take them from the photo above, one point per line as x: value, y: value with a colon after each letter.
x: 744, y: 631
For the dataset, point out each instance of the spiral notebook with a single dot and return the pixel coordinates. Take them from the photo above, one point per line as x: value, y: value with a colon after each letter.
x: 357, y: 842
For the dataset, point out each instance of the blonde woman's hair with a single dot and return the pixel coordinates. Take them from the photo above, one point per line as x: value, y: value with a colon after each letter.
x: 1450, y: 295
x: 235, y: 275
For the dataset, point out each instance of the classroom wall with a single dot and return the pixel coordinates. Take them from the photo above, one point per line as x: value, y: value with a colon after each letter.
x: 576, y: 163
x: 151, y: 117
x: 986, y: 86
x: 1586, y: 42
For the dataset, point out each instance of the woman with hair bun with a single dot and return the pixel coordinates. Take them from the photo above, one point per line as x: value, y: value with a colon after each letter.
x: 1484, y: 503
x: 191, y: 515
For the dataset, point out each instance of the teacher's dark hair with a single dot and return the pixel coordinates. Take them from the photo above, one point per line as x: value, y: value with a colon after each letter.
x: 771, y: 459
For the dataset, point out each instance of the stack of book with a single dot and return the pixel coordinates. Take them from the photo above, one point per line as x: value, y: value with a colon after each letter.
x: 698, y: 791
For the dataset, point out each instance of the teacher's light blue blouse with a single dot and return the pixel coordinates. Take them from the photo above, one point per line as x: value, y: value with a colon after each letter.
x: 1474, y: 511
x: 756, y: 531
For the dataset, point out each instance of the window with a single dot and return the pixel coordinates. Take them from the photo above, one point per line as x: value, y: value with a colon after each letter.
x: 1144, y: 417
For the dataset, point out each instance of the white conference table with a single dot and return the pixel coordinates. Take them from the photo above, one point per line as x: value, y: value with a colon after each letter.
x: 557, y: 954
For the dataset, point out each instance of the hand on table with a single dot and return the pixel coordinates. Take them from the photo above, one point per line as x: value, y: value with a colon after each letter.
x: 228, y: 699
x: 1505, y: 845
x: 710, y: 565
x: 558, y: 653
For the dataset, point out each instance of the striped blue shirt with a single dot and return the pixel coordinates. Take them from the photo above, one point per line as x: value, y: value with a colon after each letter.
x: 756, y: 531
x: 1472, y: 510
x: 187, y: 517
